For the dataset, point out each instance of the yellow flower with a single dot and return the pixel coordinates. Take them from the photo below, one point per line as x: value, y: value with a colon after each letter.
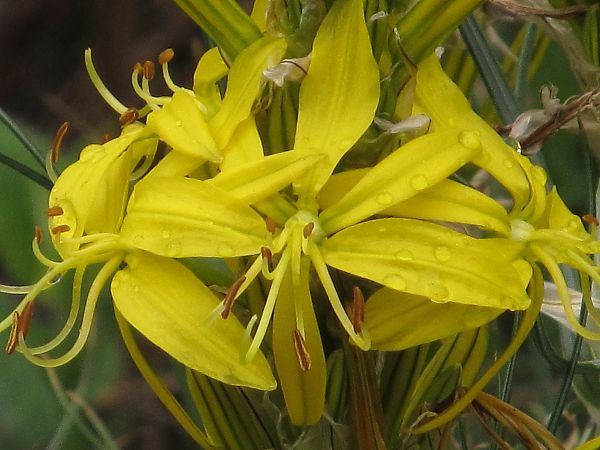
x: 186, y: 217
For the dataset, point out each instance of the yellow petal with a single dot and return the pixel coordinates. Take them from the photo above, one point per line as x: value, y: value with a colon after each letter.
x: 395, y: 319
x: 244, y: 83
x: 339, y: 95
x: 244, y: 146
x: 304, y: 391
x: 183, y: 217
x: 165, y: 302
x: 438, y: 97
x: 411, y: 169
x: 426, y: 259
x: 181, y: 124
x: 260, y: 179
x: 210, y: 69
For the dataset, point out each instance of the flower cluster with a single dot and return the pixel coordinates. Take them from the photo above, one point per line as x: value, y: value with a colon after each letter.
x: 437, y: 256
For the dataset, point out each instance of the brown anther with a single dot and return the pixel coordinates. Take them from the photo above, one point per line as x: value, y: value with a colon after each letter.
x: 54, y: 211
x: 13, y: 338
x: 301, y: 350
x: 25, y: 319
x: 58, y: 138
x: 271, y: 225
x: 129, y: 116
x: 230, y: 296
x: 104, y: 138
x: 358, y: 309
x: 590, y: 220
x: 60, y: 229
x: 267, y: 256
x: 138, y: 68
x: 148, y: 70
x: 308, y: 229
x: 166, y: 56
x: 38, y: 234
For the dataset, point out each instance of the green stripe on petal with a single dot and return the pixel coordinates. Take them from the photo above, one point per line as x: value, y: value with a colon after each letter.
x: 438, y: 97
x: 339, y: 95
x: 244, y: 83
x: 304, y: 391
x: 181, y: 124
x: 183, y: 217
x: 409, y: 170
x: 165, y: 302
x: 430, y: 260
x: 395, y: 319
x: 260, y: 179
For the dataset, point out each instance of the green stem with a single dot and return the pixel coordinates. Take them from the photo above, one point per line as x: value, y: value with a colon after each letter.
x: 26, y: 171
x: 16, y: 131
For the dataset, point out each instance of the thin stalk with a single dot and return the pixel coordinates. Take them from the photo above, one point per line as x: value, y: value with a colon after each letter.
x: 26, y: 171
x: 16, y: 131
x: 523, y: 64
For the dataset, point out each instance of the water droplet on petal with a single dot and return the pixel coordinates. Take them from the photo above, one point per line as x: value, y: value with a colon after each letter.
x: 442, y: 253
x: 395, y: 281
x: 173, y: 249
x: 508, y: 163
x: 470, y: 139
x: 382, y: 229
x: 419, y: 182
x: 165, y: 234
x: 178, y: 123
x: 225, y: 251
x: 438, y: 292
x: 404, y: 255
x: 385, y: 198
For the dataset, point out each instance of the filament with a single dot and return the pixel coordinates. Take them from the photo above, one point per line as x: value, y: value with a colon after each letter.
x: 100, y: 86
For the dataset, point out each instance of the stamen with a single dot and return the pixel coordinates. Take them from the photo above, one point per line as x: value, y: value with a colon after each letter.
x: 308, y: 229
x: 25, y: 319
x: 58, y: 138
x: 267, y: 256
x: 358, y: 309
x: 166, y: 56
x: 138, y: 69
x: 54, y: 211
x: 105, y: 138
x: 301, y: 350
x: 148, y: 70
x: 271, y: 225
x: 60, y: 229
x: 231, y: 296
x: 590, y: 220
x: 129, y: 116
x: 13, y: 338
x: 38, y: 235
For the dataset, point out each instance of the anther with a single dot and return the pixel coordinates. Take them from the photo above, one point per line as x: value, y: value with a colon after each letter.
x: 308, y: 229
x: 358, y: 309
x: 271, y: 225
x: 138, y: 68
x: 230, y: 297
x: 267, y: 256
x: 590, y: 220
x: 301, y: 350
x: 166, y: 56
x: 25, y: 319
x: 60, y: 229
x: 38, y: 234
x: 104, y: 138
x: 148, y: 70
x: 58, y: 138
x: 13, y: 339
x: 129, y: 116
x: 54, y: 211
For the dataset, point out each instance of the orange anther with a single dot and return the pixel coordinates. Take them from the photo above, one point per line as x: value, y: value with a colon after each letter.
x: 148, y: 70
x: 54, y: 211
x: 13, y: 338
x: 358, y: 309
x: 138, y: 68
x: 271, y: 225
x: 38, y: 234
x: 301, y: 350
x: 25, y: 319
x: 129, y: 116
x: 230, y: 297
x: 308, y: 229
x: 60, y: 229
x: 166, y: 56
x: 58, y: 138
x: 590, y: 220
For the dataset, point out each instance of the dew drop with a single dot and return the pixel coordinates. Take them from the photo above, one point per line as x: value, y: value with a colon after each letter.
x: 385, y: 198
x: 508, y: 163
x: 225, y: 251
x: 165, y: 234
x: 470, y: 139
x: 438, y: 292
x: 382, y: 229
x: 173, y: 249
x: 395, y: 281
x: 442, y: 253
x: 178, y: 123
x: 404, y: 255
x: 419, y: 182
